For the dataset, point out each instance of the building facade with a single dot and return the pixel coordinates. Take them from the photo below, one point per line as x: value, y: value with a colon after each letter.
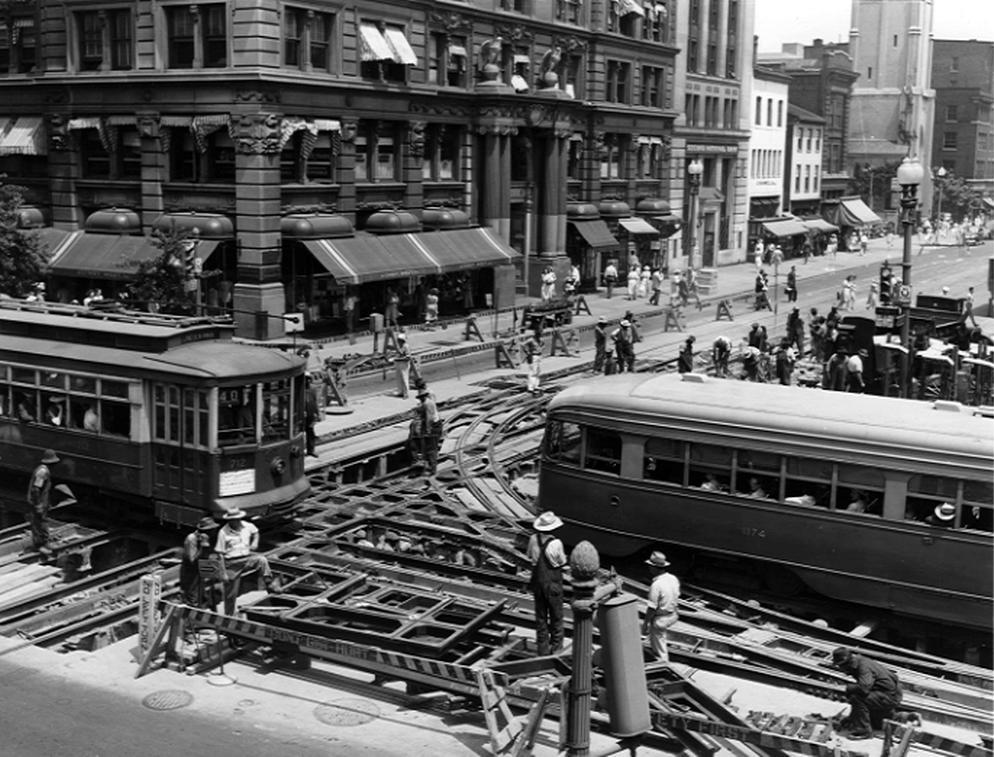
x: 713, y: 77
x: 893, y: 103
x: 802, y: 180
x: 963, y: 135
x: 768, y: 104
x: 323, y: 150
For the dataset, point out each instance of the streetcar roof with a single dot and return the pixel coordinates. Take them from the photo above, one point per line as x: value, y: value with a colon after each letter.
x: 790, y: 409
x: 209, y: 359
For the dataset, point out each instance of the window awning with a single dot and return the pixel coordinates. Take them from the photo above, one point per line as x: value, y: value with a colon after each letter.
x: 595, y: 233
x: 786, y: 227
x: 108, y: 256
x: 365, y: 257
x: 457, y: 50
x: 819, y: 224
x: 519, y: 83
x: 372, y: 45
x: 5, y: 121
x: 988, y: 202
x: 463, y: 249
x: 630, y: 6
x: 402, y: 51
x: 520, y: 59
x: 638, y: 226
x: 855, y: 212
x: 25, y: 137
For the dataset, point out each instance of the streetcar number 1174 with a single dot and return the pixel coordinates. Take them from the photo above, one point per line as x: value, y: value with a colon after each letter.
x: 750, y: 531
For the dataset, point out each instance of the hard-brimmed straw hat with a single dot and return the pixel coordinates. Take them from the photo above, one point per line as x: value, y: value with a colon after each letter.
x: 49, y: 457
x: 235, y: 514
x: 547, y: 521
x: 658, y: 560
x: 945, y: 511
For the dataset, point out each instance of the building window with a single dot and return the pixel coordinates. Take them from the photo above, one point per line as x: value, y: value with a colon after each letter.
x: 769, y: 112
x: 810, y: 132
x: 759, y: 111
x: 954, y: 65
x: 817, y: 140
x: 323, y: 160
x: 307, y: 39
x: 895, y: 40
x: 949, y: 140
x: 612, y: 158
x: 692, y: 54
x: 574, y: 158
x: 797, y: 178
x: 655, y: 23
x: 652, y: 87
x: 447, y: 61
x: 197, y: 36
x: 951, y: 113
x: 376, y: 153
x: 568, y: 11
x: 807, y: 178
x: 617, y: 81
x: 18, y: 45
x: 518, y: 63
x: 215, y: 164
x: 104, y: 40
x: 441, y: 156
x: 385, y: 53
x: 570, y: 76
x: 712, y: 59
x: 518, y: 6
x: 814, y: 188
x: 730, y: 43
x: 123, y: 161
x: 780, y: 114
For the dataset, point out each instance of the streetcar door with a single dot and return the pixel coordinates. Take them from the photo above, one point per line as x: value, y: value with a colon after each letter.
x: 179, y: 446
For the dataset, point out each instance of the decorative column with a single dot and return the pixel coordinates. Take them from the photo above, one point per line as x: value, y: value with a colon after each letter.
x: 584, y: 563
x: 152, y: 166
x: 413, y: 177
x: 63, y: 170
x: 258, y: 294
x: 489, y: 179
x: 551, y: 185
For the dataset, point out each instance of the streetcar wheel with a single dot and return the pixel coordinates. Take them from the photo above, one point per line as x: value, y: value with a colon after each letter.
x: 782, y: 581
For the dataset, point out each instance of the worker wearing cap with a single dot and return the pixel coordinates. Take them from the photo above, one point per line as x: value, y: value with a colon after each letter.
x: 39, y: 499
x: 196, y: 545
x: 548, y: 558
x: 600, y: 344
x: 624, y: 346
x: 402, y: 366
x: 430, y: 423
x: 664, y: 595
x: 236, y: 544
x: 873, y: 698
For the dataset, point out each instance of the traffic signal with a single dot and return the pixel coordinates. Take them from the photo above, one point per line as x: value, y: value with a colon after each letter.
x: 885, y: 284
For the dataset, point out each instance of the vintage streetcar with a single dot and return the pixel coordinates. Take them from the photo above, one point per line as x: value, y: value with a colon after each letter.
x: 151, y: 411
x: 879, y: 501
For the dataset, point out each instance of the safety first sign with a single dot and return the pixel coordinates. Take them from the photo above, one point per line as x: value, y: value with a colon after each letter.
x: 149, y: 616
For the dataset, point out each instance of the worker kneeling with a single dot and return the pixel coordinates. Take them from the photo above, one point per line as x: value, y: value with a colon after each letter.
x: 874, y: 697
x: 236, y: 545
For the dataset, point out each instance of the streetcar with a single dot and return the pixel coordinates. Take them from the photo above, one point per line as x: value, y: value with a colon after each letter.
x: 879, y: 501
x: 161, y: 412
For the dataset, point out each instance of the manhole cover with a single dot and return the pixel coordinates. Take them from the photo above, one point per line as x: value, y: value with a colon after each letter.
x: 171, y: 699
x: 347, y: 712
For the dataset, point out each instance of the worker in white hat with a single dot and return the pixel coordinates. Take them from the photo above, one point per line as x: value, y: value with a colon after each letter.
x: 664, y: 594
x: 548, y: 557
x: 402, y: 366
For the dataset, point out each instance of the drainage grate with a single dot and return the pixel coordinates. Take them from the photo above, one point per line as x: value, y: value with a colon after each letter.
x: 170, y: 699
x: 347, y: 712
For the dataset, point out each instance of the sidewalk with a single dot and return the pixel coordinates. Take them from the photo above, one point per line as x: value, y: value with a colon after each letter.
x: 733, y: 282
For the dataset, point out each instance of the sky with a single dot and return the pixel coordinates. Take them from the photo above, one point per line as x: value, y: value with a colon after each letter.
x: 779, y: 21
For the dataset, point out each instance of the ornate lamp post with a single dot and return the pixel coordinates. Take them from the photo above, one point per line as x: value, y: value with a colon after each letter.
x: 941, y: 176
x: 909, y: 176
x: 694, y: 171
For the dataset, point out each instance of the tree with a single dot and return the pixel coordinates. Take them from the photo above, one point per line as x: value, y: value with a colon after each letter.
x: 872, y: 183
x: 958, y: 197
x: 22, y: 254
x: 169, y: 283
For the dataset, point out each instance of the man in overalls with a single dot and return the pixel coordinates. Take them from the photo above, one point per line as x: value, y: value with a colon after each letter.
x: 547, y: 556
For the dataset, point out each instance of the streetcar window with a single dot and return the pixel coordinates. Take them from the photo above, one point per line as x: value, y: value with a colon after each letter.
x: 82, y: 385
x: 55, y: 409
x: 757, y: 474
x: 562, y: 442
x: 663, y: 461
x: 22, y: 375
x: 115, y: 418
x: 172, y: 409
x: 53, y: 380
x: 710, y: 464
x: 113, y: 388
x: 808, y: 482
x: 860, y: 489
x: 189, y: 416
x: 927, y: 495
x: 236, y: 415
x: 276, y: 410
x: 603, y: 451
x: 978, y: 506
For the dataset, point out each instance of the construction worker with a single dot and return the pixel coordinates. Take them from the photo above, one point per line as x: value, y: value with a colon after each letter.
x: 600, y: 344
x: 664, y: 594
x: 548, y: 557
x: 402, y: 366
x: 873, y: 698
x: 237, y: 542
x: 195, y: 546
x: 39, y: 499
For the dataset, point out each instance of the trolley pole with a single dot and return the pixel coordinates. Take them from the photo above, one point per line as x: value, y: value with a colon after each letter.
x: 584, y: 563
x: 909, y: 176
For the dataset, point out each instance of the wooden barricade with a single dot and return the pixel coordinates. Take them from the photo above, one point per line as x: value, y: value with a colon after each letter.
x: 724, y: 310
x: 472, y: 330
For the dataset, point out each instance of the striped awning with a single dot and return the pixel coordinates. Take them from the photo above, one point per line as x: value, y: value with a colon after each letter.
x: 402, y: 51
x: 630, y: 6
x: 372, y: 45
x: 327, y: 124
x: 25, y: 137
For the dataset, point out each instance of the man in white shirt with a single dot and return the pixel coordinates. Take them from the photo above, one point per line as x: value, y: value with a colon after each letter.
x: 236, y: 545
x: 664, y: 595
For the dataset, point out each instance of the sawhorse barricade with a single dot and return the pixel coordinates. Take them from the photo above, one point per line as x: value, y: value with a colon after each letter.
x: 564, y: 342
x: 334, y: 381
x: 472, y: 330
x: 389, y: 341
x: 581, y: 306
x: 443, y: 676
x: 906, y: 734
x: 724, y: 310
x: 505, y: 352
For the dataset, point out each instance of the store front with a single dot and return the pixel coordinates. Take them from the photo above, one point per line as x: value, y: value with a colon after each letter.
x: 589, y: 243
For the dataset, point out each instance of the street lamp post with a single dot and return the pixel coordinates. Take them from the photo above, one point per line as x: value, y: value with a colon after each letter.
x: 694, y: 171
x: 909, y: 176
x: 941, y: 176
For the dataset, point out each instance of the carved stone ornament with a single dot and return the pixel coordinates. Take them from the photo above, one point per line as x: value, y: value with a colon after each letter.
x: 257, y: 133
x: 416, y: 138
x: 569, y: 44
x: 256, y: 96
x: 148, y: 124
x: 450, y: 21
x: 599, y: 145
x: 58, y: 132
x: 667, y: 146
x: 350, y: 128
x: 515, y: 33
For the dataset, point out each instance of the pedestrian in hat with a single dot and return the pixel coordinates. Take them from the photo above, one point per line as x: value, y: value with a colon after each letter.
x: 532, y: 350
x: 312, y: 414
x: 943, y: 515
x: 624, y: 346
x: 402, y: 366
x: 39, y: 499
x: 685, y: 359
x: 196, y: 545
x: 237, y: 542
x: 430, y: 427
x: 873, y: 698
x: 548, y: 557
x: 664, y: 595
x: 600, y: 344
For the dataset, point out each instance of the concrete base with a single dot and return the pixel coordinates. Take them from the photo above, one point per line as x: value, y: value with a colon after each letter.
x: 258, y: 311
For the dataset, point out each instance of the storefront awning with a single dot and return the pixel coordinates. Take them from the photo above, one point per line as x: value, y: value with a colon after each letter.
x: 109, y: 256
x: 855, y: 212
x: 786, y: 227
x: 372, y: 45
x: 819, y: 224
x: 365, y: 257
x: 462, y: 249
x: 25, y: 137
x: 638, y: 226
x: 989, y: 202
x: 595, y: 233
